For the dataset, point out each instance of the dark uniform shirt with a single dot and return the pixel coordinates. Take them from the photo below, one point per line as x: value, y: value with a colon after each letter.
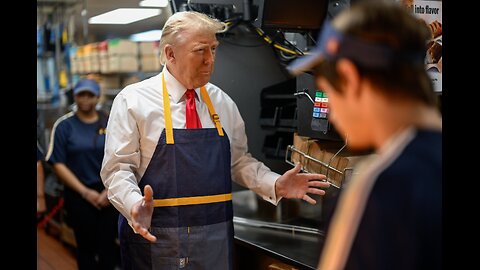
x: 80, y: 146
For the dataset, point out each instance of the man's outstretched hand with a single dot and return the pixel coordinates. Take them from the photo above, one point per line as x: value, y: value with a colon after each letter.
x: 295, y: 185
x: 142, y: 214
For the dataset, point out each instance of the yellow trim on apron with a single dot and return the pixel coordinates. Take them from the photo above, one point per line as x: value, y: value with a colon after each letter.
x: 169, y: 140
x: 192, y: 200
x: 211, y: 110
x: 168, y: 114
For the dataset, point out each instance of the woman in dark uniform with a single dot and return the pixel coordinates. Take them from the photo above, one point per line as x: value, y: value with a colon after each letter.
x: 76, y: 154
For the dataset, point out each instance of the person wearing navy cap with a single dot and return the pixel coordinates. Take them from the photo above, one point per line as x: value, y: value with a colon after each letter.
x: 370, y: 62
x: 76, y: 152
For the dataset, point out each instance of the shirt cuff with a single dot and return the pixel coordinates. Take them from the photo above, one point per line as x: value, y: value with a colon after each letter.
x: 268, y: 188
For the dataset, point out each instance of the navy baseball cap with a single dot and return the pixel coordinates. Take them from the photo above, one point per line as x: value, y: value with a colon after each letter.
x: 333, y: 44
x: 87, y: 85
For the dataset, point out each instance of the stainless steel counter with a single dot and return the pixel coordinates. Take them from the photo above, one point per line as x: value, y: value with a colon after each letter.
x: 295, y: 248
x: 290, y: 236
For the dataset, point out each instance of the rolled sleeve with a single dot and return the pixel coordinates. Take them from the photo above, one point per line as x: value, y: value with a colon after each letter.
x: 122, y: 157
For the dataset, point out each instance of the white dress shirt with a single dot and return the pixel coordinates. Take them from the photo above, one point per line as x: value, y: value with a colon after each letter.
x: 136, y: 121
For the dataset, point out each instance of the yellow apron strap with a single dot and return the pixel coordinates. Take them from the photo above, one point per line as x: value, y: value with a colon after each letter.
x: 167, y: 113
x: 211, y: 110
x: 192, y: 200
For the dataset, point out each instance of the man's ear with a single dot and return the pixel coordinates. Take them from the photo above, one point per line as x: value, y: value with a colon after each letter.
x: 169, y: 53
x: 350, y: 76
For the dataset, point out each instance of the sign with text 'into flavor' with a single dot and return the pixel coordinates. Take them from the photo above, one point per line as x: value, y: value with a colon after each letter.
x: 430, y: 12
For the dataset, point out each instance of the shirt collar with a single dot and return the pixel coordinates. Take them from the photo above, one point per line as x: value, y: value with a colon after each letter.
x: 397, y: 140
x: 175, y: 88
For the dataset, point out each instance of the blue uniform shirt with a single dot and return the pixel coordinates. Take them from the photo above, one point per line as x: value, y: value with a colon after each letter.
x: 389, y: 216
x: 80, y: 146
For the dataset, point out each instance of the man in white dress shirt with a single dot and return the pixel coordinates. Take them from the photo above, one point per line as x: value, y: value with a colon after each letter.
x: 171, y: 183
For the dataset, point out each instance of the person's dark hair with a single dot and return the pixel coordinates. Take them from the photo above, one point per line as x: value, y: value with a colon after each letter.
x: 390, y: 24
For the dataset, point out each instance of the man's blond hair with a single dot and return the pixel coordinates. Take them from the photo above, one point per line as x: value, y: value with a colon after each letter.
x: 181, y: 21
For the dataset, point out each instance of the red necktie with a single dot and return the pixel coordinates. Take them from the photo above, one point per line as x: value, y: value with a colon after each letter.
x: 192, y: 119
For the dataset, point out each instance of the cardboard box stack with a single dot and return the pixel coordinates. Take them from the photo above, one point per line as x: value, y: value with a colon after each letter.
x: 72, y: 53
x: 103, y: 56
x: 149, y: 56
x: 91, y: 60
x: 80, y: 60
x: 122, y: 56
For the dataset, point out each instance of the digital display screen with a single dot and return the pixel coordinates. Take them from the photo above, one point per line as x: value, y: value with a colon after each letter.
x: 294, y: 15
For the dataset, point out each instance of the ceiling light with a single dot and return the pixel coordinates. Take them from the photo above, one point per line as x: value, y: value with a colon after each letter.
x: 152, y: 35
x: 154, y: 3
x: 124, y: 15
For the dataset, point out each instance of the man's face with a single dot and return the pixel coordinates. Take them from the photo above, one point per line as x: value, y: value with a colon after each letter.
x: 194, y: 57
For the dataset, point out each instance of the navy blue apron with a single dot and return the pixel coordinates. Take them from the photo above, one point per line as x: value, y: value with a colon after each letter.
x: 192, y: 219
